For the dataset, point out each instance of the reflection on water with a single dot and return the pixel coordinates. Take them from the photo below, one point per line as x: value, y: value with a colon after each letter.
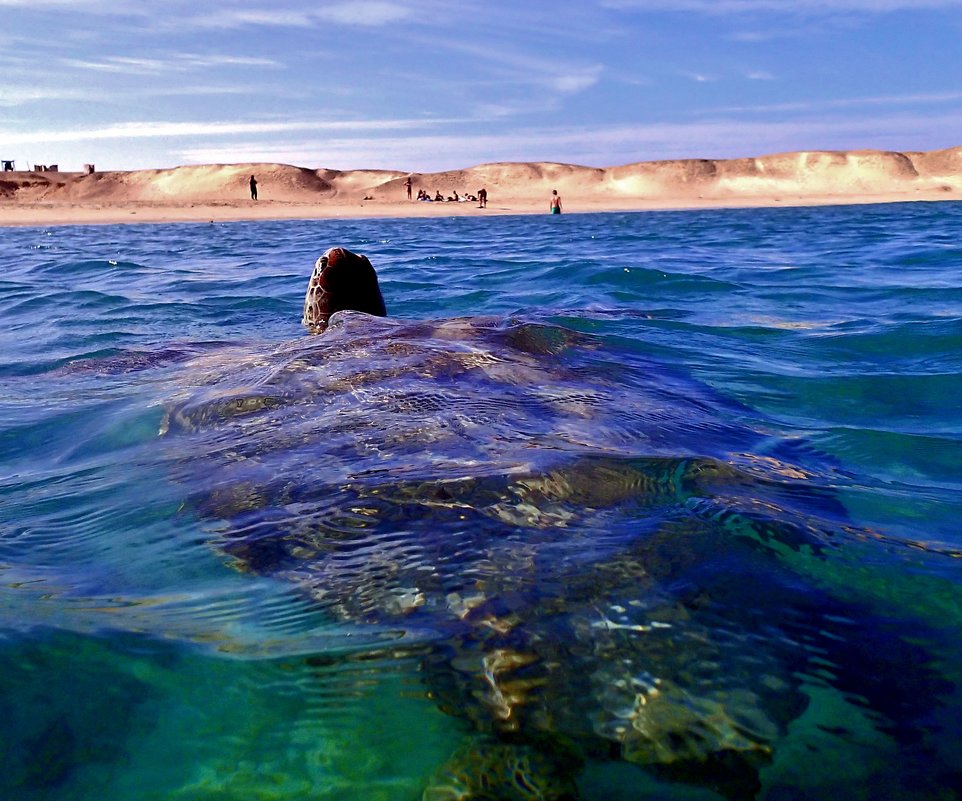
x: 684, y: 545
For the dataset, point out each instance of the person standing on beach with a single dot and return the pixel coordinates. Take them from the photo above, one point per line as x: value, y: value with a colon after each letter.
x: 253, y: 188
x: 407, y: 185
x: 482, y: 198
x: 555, y: 202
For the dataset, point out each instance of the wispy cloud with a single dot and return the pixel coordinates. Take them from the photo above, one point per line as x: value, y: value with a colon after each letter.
x: 79, y: 5
x: 18, y: 96
x: 261, y: 18
x: 577, y: 79
x: 792, y: 7
x: 161, y: 129
x: 593, y: 146
x: 356, y: 13
x: 22, y: 96
x: 504, y: 110
x: 364, y: 13
x: 176, y: 62
x: 519, y: 67
x: 921, y: 98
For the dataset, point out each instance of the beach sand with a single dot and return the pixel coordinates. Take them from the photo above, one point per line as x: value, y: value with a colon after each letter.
x: 220, y: 192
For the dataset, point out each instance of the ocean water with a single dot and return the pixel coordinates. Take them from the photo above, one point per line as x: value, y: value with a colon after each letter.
x: 616, y: 506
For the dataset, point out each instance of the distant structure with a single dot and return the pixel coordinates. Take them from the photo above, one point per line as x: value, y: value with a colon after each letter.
x: 7, y: 165
x: 88, y: 169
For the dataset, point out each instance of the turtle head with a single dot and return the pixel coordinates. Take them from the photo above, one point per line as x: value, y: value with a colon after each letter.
x: 341, y: 280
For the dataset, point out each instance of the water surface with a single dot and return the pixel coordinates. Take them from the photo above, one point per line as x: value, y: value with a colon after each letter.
x: 237, y: 562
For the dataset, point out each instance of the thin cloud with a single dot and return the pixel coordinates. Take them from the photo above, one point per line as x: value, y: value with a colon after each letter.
x: 241, y: 18
x: 22, y: 96
x: 19, y: 96
x: 790, y: 7
x: 519, y: 108
x: 160, y: 129
x: 520, y: 68
x: 196, y: 61
x: 177, y: 62
x: 576, y: 80
x: 362, y: 13
x: 699, y: 77
x: 922, y: 98
x: 79, y: 5
x: 591, y: 146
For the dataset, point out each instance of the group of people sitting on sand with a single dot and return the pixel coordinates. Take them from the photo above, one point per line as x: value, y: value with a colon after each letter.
x: 481, y: 197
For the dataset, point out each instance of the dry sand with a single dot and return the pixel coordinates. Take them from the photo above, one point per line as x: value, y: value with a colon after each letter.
x: 220, y: 192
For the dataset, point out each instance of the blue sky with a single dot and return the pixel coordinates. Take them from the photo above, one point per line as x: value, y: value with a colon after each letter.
x: 425, y: 85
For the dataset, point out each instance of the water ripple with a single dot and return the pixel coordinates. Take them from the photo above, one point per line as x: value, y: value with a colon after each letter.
x: 665, y: 482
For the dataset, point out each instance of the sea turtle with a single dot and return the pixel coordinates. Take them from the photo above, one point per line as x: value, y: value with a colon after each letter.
x: 594, y: 556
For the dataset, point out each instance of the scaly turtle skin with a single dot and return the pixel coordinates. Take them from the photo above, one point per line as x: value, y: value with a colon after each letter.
x: 579, y: 558
x: 341, y: 280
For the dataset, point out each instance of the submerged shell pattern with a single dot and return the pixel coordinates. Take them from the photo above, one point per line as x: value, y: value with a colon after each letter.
x: 577, y: 563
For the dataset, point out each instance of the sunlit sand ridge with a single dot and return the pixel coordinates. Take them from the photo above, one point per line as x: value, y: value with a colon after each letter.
x: 221, y: 191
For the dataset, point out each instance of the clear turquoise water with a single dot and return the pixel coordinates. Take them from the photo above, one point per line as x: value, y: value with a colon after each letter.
x: 137, y: 661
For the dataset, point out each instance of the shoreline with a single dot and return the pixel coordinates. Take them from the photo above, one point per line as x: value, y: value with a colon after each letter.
x: 221, y: 192
x: 56, y: 214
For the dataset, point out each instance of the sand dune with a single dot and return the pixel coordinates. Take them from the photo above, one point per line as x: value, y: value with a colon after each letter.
x: 221, y: 191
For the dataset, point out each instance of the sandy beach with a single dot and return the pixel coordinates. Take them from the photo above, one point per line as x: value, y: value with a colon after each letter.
x: 220, y: 192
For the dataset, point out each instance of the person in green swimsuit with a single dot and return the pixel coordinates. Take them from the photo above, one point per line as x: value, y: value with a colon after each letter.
x: 555, y: 202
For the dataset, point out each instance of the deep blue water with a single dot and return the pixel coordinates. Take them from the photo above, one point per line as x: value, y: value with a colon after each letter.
x: 738, y: 429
